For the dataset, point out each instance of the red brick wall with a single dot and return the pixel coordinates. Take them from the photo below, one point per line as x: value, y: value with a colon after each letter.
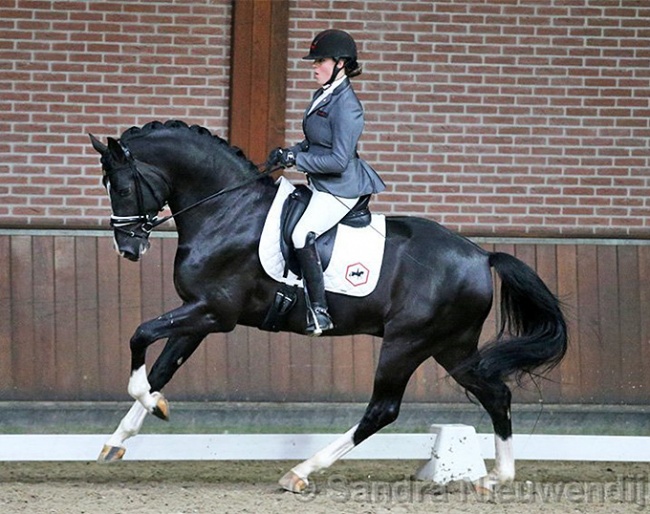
x: 500, y: 116
x: 493, y: 117
x: 69, y: 68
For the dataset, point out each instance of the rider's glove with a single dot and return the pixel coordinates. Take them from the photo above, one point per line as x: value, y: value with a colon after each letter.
x: 288, y: 158
x: 283, y: 157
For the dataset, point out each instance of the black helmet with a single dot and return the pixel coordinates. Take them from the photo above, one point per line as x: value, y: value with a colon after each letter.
x: 333, y: 43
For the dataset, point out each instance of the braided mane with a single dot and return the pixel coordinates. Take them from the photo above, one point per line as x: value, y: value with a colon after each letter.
x: 194, y: 131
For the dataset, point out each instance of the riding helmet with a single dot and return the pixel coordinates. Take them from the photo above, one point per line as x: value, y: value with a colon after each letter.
x: 333, y: 43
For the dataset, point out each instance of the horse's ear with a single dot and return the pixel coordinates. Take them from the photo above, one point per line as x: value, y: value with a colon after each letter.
x: 116, y: 151
x: 97, y: 144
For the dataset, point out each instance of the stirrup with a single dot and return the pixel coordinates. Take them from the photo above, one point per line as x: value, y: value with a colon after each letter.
x: 318, y: 321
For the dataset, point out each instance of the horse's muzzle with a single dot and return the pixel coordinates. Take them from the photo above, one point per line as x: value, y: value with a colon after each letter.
x: 131, y: 247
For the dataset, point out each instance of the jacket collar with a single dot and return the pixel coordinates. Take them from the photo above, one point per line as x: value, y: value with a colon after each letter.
x: 343, y: 86
x: 337, y: 90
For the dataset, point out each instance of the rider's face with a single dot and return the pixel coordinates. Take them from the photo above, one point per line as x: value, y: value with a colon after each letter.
x: 323, y: 69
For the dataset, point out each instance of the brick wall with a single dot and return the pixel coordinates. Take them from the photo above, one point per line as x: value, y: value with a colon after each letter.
x: 69, y: 68
x: 500, y: 116
x: 493, y: 117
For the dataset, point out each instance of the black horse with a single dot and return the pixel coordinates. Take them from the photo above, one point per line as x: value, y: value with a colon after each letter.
x: 433, y: 296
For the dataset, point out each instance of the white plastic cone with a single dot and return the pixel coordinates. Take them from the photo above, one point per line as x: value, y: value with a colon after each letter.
x: 456, y: 456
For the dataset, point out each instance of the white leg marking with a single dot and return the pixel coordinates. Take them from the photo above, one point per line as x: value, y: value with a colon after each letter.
x: 139, y: 389
x: 129, y: 426
x: 504, y: 466
x: 327, y: 456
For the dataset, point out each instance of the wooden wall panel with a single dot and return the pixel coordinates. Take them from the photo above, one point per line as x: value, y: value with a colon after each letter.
x: 65, y: 307
x: 48, y: 358
x: 630, y: 344
x: 87, y: 293
x: 112, y: 374
x: 644, y: 327
x: 636, y: 346
x: 6, y: 342
x: 567, y: 291
x: 25, y: 378
x: 608, y: 359
x: 322, y: 364
x: 69, y: 306
x: 587, y: 335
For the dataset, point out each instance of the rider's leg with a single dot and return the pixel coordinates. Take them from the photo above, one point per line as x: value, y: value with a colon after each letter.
x: 323, y: 212
x: 312, y: 275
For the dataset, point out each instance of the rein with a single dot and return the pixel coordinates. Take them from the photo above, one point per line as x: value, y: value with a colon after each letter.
x: 149, y: 223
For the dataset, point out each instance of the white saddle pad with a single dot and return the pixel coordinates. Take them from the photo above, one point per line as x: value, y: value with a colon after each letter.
x: 356, y: 258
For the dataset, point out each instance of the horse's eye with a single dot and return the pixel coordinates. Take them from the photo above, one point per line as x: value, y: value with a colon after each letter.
x: 124, y: 192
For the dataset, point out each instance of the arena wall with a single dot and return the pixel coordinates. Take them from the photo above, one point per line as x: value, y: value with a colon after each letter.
x: 70, y: 305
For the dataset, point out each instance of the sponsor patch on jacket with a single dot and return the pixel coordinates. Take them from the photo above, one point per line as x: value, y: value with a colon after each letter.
x: 322, y: 113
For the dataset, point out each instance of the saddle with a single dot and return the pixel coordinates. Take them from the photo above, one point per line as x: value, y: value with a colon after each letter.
x: 351, y: 252
x: 294, y: 207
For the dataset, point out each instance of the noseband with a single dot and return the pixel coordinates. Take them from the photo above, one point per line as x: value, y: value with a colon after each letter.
x: 148, y: 222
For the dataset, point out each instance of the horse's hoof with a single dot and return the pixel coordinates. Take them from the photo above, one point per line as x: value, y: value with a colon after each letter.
x: 486, y: 485
x: 111, y: 454
x: 292, y: 482
x: 161, y: 410
x: 481, y: 490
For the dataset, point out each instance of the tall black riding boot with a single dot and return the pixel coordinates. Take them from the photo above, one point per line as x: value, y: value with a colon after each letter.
x: 318, y: 319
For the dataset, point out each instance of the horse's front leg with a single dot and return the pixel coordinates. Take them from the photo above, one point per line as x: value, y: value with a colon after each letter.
x: 175, y: 353
x: 187, y: 320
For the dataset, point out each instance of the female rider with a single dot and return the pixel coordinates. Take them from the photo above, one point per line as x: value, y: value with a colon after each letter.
x: 332, y: 125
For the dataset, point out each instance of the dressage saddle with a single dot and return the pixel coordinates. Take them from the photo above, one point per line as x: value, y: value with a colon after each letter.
x: 294, y: 207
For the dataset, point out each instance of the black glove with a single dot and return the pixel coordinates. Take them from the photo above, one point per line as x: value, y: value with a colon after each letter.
x: 283, y: 157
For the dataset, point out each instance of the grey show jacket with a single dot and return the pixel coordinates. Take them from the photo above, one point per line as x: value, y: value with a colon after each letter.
x: 329, y: 152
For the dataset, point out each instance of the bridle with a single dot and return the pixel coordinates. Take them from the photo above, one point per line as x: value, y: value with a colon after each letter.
x: 147, y: 222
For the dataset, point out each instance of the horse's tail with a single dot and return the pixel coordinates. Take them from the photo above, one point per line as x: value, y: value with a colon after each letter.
x: 532, y: 336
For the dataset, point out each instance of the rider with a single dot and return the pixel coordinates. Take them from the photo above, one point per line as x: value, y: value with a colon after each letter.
x: 332, y: 125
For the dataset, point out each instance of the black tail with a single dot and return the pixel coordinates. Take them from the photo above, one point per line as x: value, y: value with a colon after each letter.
x: 532, y: 337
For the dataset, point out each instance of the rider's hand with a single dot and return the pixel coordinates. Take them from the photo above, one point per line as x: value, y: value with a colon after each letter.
x: 283, y: 157
x: 288, y: 158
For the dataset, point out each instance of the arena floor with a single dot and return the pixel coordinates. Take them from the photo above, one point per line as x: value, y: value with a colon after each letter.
x: 348, y: 487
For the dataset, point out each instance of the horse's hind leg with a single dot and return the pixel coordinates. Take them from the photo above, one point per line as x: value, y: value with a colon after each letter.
x: 175, y: 353
x: 495, y: 396
x: 393, y: 372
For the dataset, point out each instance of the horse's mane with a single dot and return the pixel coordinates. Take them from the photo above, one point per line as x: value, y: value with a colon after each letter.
x: 194, y: 131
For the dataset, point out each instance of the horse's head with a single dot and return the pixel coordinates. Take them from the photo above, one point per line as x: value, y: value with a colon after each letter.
x: 136, y: 198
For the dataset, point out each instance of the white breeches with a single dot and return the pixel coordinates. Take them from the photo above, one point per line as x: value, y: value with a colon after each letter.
x: 323, y: 212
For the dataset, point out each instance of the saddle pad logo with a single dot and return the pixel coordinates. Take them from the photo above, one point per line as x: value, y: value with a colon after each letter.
x: 357, y: 274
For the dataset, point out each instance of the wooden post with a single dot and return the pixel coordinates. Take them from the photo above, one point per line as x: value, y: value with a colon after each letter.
x: 258, y: 75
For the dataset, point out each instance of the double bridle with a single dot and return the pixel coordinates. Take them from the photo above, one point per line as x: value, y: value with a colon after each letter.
x: 148, y: 222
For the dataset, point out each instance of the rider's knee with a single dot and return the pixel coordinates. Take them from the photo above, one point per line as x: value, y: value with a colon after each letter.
x: 299, y: 237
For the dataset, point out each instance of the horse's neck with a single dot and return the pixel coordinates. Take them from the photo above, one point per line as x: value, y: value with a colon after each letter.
x: 197, y: 170
x: 228, y: 215
x: 192, y: 168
